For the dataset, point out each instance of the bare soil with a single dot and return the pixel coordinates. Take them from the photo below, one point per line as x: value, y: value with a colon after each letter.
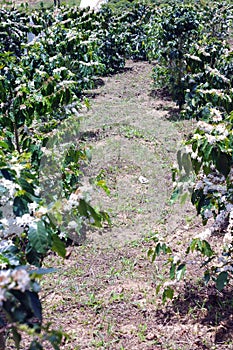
x: 104, y: 294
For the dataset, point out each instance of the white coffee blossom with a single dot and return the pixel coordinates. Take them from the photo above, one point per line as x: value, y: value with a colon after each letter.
x: 24, y: 220
x: 227, y: 268
x: 176, y: 258
x: 5, y: 278
x: 32, y: 206
x: 22, y: 279
x: 197, y: 136
x: 41, y: 211
x: 199, y: 185
x: 206, y: 127
x: 74, y: 199
x: 37, y: 191
x: 73, y: 225
x: 13, y: 279
x: 223, y: 199
x: 5, y: 222
x: 228, y: 239
x: 67, y: 205
x: 208, y: 213
x: 11, y: 188
x: 188, y: 149
x: 216, y: 115
x: 62, y: 235
x: 221, y: 129
x: 211, y: 139
x: 204, y: 235
x: 16, y: 165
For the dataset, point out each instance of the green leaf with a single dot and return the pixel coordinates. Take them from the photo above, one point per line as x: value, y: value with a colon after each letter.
x: 149, y: 252
x: 181, y: 269
x: 172, y: 271
x: 175, y: 195
x: 167, y: 293
x: 206, y: 277
x: 26, y: 186
x: 187, y: 164
x: 20, y: 206
x: 179, y: 160
x: 89, y: 212
x: 55, y: 338
x: 29, y: 305
x: 184, y: 198
x: 58, y: 246
x: 222, y: 280
x: 206, y: 249
x: 3, y: 144
x: 158, y: 287
x: 39, y: 237
x: 102, y: 184
x: 34, y: 304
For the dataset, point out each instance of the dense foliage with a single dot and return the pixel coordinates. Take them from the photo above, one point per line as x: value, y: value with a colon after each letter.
x: 48, y: 58
x: 199, y: 78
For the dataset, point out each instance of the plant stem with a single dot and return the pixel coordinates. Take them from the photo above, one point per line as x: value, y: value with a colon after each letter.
x: 16, y: 138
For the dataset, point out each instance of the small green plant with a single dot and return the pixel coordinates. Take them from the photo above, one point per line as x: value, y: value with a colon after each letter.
x: 142, y: 331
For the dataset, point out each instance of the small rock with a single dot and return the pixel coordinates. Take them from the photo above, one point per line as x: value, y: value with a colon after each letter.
x: 143, y: 180
x: 150, y: 336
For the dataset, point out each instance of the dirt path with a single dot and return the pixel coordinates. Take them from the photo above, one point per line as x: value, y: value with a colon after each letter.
x: 135, y: 140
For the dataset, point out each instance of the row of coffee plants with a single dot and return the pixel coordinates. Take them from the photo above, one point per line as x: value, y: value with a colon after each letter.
x: 48, y: 58
x: 200, y: 78
x: 43, y: 199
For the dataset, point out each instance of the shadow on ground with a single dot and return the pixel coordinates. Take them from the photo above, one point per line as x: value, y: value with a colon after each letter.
x: 211, y: 308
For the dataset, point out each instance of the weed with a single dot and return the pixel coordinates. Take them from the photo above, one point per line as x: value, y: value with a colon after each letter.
x: 142, y: 331
x: 116, y: 297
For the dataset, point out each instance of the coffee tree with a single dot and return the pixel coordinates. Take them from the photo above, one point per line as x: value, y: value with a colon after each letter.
x: 204, y: 165
x: 172, y: 31
x: 39, y: 91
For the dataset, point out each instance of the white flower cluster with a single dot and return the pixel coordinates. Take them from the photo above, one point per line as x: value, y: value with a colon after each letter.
x: 194, y: 155
x: 216, y: 115
x: 213, y: 133
x: 10, y: 189
x: 224, y: 263
x: 204, y: 235
x: 13, y: 279
x: 16, y: 165
x: 228, y: 238
x: 214, y: 182
x: 16, y: 225
x: 10, y: 225
x: 83, y: 192
x: 215, y: 72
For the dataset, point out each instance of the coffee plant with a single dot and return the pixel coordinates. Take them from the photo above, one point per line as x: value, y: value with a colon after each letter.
x: 40, y: 83
x: 204, y: 165
x: 173, y: 31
